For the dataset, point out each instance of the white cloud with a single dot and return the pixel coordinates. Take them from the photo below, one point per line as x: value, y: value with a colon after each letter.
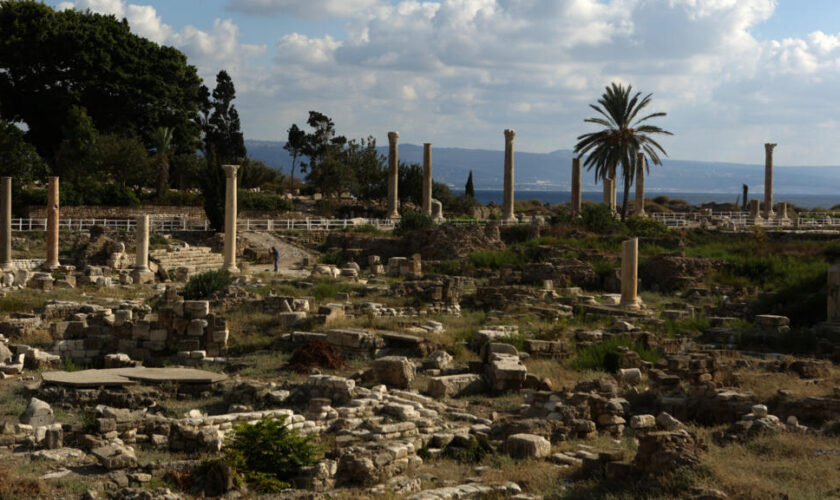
x: 313, y: 9
x: 210, y: 51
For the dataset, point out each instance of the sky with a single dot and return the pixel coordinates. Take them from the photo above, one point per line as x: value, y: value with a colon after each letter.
x: 730, y: 74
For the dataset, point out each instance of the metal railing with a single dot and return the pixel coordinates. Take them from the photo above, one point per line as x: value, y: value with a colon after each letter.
x: 186, y: 224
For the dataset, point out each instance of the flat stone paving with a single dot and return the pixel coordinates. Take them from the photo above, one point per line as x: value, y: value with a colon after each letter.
x: 129, y: 376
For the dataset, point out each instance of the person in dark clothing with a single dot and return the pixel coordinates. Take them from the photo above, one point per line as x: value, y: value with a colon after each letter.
x: 275, y: 254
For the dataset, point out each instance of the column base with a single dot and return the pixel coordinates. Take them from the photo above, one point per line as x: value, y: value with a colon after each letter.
x: 7, y: 266
x: 143, y: 276
x: 231, y: 269
x: 393, y: 215
x: 509, y: 218
x: 50, y: 266
x: 631, y: 305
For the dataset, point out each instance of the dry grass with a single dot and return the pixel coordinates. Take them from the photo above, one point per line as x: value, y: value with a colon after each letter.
x: 560, y: 375
x: 792, y: 466
x: 764, y: 385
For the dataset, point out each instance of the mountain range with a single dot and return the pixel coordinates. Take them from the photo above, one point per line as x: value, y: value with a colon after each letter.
x: 552, y: 171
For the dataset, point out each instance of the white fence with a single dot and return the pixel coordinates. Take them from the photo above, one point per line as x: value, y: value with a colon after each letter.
x: 810, y: 220
x: 184, y: 224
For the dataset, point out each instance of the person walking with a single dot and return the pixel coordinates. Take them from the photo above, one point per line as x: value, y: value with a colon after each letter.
x: 275, y: 254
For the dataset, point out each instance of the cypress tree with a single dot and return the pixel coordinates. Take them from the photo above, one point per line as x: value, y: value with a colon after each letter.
x: 469, y: 190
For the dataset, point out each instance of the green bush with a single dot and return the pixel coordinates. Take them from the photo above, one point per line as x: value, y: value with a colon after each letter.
x: 495, y: 259
x: 268, y: 455
x: 412, y: 220
x: 645, y: 227
x: 598, y: 218
x: 606, y: 355
x: 202, y: 286
x: 249, y: 200
x: 179, y: 199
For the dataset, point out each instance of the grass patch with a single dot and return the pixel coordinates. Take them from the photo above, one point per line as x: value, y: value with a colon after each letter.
x: 605, y: 355
x: 494, y: 259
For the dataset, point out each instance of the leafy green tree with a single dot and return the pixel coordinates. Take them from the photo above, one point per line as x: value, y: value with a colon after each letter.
x: 18, y: 158
x: 77, y: 147
x: 295, y: 142
x: 323, y: 148
x: 185, y: 170
x: 254, y: 173
x: 123, y: 160
x: 469, y: 190
x: 223, y: 135
x: 52, y: 62
x: 410, y: 183
x: 162, y: 144
x: 369, y: 168
x: 623, y: 136
x: 212, y: 184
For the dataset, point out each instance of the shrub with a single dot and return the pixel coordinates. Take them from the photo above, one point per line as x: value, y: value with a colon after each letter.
x: 599, y: 219
x: 495, y: 259
x: 202, y: 286
x: 249, y: 200
x: 411, y: 220
x: 268, y: 455
x: 177, y: 198
x: 645, y: 227
x: 607, y: 354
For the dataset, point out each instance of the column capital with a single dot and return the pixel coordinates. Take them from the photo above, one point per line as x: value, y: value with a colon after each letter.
x: 427, y: 144
x: 769, y: 147
x: 230, y: 170
x: 509, y: 134
x: 393, y: 136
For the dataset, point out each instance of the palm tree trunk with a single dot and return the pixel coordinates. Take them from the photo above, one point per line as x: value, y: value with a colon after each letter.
x: 626, y: 195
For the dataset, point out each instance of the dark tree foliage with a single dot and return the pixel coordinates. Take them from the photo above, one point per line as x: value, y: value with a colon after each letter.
x: 295, y: 142
x: 369, y: 169
x: 325, y: 168
x: 469, y: 189
x: 122, y: 160
x: 52, y: 61
x: 212, y: 184
x: 254, y: 173
x: 222, y: 134
x: 18, y: 158
x: 410, y: 183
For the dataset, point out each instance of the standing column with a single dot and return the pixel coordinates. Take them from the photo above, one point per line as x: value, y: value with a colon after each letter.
x: 230, y: 218
x: 6, y: 223
x: 507, y: 204
x: 613, y: 190
x: 427, y: 178
x: 768, y: 180
x: 52, y: 224
x: 576, y: 201
x: 629, y: 273
x: 393, y: 176
x: 640, y: 185
x: 609, y: 190
x: 141, y: 260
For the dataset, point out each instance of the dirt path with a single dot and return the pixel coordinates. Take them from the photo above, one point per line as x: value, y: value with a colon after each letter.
x: 290, y: 255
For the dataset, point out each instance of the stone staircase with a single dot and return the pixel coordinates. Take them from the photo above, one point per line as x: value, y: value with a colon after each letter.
x: 197, y: 258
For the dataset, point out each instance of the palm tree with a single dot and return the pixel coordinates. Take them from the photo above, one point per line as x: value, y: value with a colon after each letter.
x: 622, y: 137
x: 162, y: 143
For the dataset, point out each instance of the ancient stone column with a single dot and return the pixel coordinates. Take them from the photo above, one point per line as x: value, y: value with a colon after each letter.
x: 768, y: 180
x: 629, y: 273
x: 609, y: 193
x: 393, y: 176
x: 141, y: 260
x: 782, y: 213
x: 576, y: 189
x: 640, y: 185
x: 507, y: 204
x: 52, y: 224
x: 6, y: 223
x: 427, y: 178
x: 755, y: 212
x: 832, y: 290
x: 230, y: 218
x: 613, y: 190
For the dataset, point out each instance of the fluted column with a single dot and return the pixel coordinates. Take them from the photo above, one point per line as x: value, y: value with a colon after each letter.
x: 52, y: 223
x: 230, y: 218
x: 427, y: 178
x: 393, y: 176
x: 6, y: 223
x: 576, y: 187
x: 507, y: 205
x: 640, y: 185
x: 629, y: 273
x: 768, y: 180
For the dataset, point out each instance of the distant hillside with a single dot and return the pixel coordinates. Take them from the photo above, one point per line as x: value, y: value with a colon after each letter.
x: 552, y: 171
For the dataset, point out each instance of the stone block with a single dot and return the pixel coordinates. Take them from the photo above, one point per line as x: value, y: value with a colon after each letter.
x: 38, y: 413
x: 456, y: 385
x: 394, y: 371
x: 527, y: 446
